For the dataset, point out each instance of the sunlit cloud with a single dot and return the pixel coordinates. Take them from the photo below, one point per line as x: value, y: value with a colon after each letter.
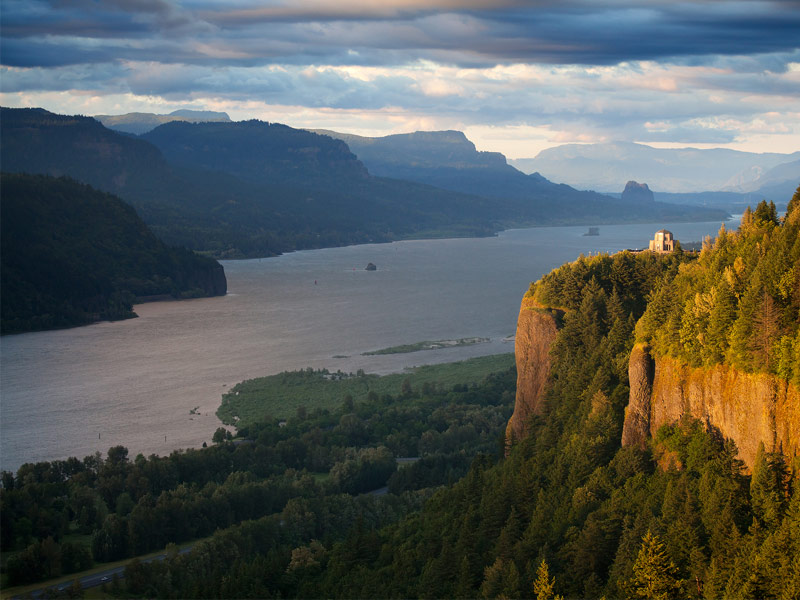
x: 725, y: 72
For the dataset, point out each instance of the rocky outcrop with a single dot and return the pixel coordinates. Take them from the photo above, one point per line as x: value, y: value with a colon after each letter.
x: 637, y: 192
x: 641, y: 371
x: 213, y: 280
x: 536, y: 330
x: 749, y: 408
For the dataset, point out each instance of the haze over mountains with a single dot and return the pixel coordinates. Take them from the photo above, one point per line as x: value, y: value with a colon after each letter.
x: 139, y: 123
x: 250, y: 188
x: 686, y: 170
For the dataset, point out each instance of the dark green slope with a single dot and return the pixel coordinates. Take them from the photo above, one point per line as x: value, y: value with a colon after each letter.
x: 72, y: 255
x: 681, y: 519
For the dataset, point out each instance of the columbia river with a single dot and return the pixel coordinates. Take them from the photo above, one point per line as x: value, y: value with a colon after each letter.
x: 153, y: 383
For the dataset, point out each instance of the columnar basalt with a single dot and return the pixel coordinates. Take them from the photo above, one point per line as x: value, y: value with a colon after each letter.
x: 536, y: 330
x: 748, y: 408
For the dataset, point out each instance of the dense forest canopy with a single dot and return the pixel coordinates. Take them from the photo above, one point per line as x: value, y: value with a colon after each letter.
x: 291, y: 481
x: 739, y: 304
x: 72, y: 255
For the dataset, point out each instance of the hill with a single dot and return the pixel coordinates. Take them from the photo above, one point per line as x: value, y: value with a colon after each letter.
x: 318, y: 196
x: 447, y: 159
x: 608, y: 166
x: 139, y: 123
x: 72, y: 255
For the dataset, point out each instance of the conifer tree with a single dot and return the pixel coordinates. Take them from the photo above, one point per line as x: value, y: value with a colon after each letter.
x: 720, y: 322
x: 544, y: 586
x: 655, y: 576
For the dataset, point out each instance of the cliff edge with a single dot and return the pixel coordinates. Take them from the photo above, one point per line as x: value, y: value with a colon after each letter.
x: 536, y: 330
x: 748, y: 408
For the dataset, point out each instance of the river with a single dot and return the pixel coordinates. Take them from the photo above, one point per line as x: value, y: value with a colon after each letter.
x: 153, y: 383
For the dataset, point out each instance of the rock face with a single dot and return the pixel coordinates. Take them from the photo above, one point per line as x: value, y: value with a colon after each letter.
x: 637, y: 192
x: 536, y: 330
x: 745, y: 407
x: 641, y: 371
x: 214, y: 282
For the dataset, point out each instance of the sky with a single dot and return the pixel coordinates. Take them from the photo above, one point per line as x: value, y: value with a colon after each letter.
x: 516, y: 76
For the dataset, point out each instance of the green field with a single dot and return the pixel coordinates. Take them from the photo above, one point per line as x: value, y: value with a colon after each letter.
x: 427, y: 345
x: 279, y: 396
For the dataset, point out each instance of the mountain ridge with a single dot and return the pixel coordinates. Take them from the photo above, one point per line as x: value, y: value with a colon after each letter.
x: 137, y: 123
x: 607, y: 166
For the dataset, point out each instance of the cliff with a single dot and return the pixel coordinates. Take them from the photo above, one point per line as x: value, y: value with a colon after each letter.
x: 637, y: 192
x: 748, y: 408
x: 536, y: 330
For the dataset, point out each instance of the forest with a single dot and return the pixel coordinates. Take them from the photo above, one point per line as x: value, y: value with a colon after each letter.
x: 308, y: 470
x: 72, y: 255
x: 565, y: 512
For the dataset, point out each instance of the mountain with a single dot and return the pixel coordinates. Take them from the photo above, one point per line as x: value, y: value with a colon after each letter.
x: 637, y: 192
x: 447, y: 159
x: 780, y: 180
x: 258, y: 152
x: 607, y: 166
x: 245, y: 189
x: 316, y: 194
x: 72, y: 255
x: 139, y: 123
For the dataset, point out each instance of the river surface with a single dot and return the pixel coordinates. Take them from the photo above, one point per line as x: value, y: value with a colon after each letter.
x: 153, y: 383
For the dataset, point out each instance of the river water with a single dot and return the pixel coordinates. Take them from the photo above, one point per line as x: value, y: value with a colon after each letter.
x: 153, y: 383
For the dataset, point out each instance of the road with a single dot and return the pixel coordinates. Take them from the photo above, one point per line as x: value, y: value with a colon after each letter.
x: 102, y: 577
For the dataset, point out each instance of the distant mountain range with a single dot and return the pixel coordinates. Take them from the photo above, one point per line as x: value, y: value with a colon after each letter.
x: 139, y: 123
x: 447, y: 159
x: 606, y: 167
x: 250, y: 188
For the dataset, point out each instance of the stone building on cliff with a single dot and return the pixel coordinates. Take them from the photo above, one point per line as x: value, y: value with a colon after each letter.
x: 663, y: 242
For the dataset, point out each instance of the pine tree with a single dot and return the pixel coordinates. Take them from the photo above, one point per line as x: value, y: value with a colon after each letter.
x: 766, y: 326
x: 544, y: 586
x: 768, y: 487
x: 720, y: 322
x: 655, y: 576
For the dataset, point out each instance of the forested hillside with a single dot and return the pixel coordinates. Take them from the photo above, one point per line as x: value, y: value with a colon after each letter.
x: 288, y: 197
x: 571, y: 512
x: 739, y: 304
x: 72, y: 255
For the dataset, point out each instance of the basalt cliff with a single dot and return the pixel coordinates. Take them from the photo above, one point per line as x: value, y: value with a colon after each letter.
x: 536, y: 330
x: 748, y: 408
x: 710, y: 336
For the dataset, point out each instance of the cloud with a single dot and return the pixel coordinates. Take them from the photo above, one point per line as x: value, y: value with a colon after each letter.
x: 574, y: 69
x: 466, y: 33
